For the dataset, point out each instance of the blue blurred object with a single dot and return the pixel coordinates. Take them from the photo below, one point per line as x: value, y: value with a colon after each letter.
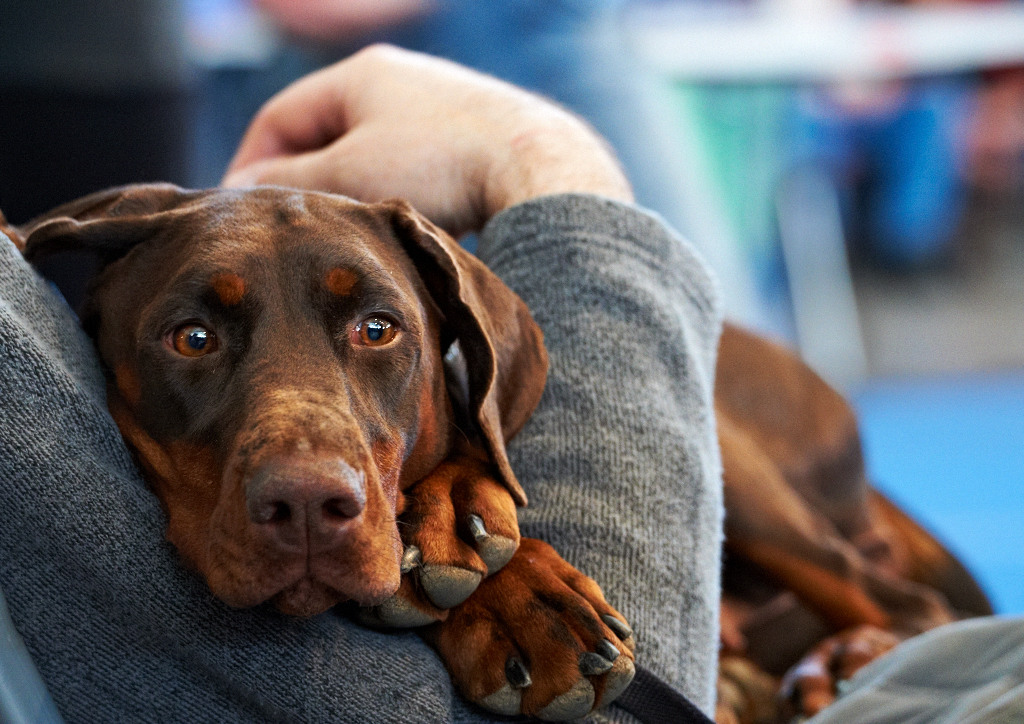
x: 896, y: 163
x: 951, y: 452
x: 23, y: 696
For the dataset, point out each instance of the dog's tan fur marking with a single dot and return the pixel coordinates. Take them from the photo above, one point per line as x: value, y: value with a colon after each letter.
x: 229, y: 287
x: 340, y: 281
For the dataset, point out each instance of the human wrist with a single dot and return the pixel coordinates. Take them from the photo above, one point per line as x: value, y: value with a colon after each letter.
x: 552, y: 152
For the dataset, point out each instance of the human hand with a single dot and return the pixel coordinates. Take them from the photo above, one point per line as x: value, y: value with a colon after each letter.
x: 458, y: 145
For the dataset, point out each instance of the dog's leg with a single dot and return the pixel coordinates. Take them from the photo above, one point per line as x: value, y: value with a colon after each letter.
x: 459, y: 526
x: 769, y: 524
x: 928, y: 562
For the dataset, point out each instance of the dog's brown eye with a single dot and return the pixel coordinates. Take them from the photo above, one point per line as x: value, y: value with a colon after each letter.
x: 374, y: 332
x: 194, y: 340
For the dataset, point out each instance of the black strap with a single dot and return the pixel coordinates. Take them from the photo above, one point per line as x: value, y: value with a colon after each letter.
x: 652, y: 701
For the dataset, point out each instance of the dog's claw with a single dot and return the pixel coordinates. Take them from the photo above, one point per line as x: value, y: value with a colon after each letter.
x: 592, y: 664
x: 618, y: 678
x: 411, y: 558
x: 477, y: 528
x: 608, y: 650
x: 573, y: 704
x: 494, y: 550
x: 618, y: 628
x: 517, y: 674
x: 448, y: 586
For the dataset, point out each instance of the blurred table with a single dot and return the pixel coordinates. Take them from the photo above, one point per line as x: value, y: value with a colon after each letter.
x: 708, y: 43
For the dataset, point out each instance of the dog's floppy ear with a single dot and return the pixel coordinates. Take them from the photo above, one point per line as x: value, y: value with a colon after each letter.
x: 503, y: 347
x: 11, y: 233
x: 108, y: 222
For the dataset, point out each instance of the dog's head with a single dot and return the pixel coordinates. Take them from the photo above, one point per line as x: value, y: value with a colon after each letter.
x: 275, y: 361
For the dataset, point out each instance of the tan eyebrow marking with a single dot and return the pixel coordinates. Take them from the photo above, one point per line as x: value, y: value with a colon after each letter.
x: 230, y: 288
x: 340, y: 281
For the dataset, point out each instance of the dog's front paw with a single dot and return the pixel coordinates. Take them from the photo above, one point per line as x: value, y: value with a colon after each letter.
x: 538, y: 639
x: 813, y: 683
x: 459, y: 526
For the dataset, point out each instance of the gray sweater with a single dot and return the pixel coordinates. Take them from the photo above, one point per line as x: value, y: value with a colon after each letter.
x: 620, y: 463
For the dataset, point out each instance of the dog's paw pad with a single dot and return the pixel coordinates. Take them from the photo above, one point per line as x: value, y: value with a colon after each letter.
x: 506, y: 700
x: 618, y: 678
x: 573, y: 704
x: 396, y: 612
x: 495, y: 552
x: 448, y: 586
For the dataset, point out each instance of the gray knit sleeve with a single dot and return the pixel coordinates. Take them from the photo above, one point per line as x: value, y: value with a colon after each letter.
x: 621, y: 461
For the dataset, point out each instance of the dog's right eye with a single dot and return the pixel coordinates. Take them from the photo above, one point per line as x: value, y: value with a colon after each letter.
x: 375, y: 331
x: 193, y: 340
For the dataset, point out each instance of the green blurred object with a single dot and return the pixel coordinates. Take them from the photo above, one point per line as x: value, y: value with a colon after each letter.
x: 742, y: 133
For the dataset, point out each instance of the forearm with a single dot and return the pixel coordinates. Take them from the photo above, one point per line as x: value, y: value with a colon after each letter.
x: 620, y: 460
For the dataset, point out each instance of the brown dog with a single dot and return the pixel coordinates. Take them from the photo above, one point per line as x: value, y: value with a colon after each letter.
x: 274, y: 359
x: 818, y: 564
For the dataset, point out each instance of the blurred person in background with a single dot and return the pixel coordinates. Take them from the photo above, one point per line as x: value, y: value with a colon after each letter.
x: 994, y: 131
x: 568, y: 50
x: 904, y: 155
x: 995, y: 139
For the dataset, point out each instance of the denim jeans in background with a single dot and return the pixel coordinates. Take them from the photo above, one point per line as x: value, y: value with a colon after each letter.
x: 897, y: 169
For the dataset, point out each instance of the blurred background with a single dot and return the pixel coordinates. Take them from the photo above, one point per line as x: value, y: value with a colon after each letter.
x: 853, y: 171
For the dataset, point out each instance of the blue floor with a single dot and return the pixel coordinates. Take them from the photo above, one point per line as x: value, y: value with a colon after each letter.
x: 951, y: 451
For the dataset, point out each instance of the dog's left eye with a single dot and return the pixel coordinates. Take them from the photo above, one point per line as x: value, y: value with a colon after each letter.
x: 374, y: 331
x: 193, y: 340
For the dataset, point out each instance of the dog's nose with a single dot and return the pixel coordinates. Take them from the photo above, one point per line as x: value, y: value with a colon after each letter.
x: 299, y: 502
